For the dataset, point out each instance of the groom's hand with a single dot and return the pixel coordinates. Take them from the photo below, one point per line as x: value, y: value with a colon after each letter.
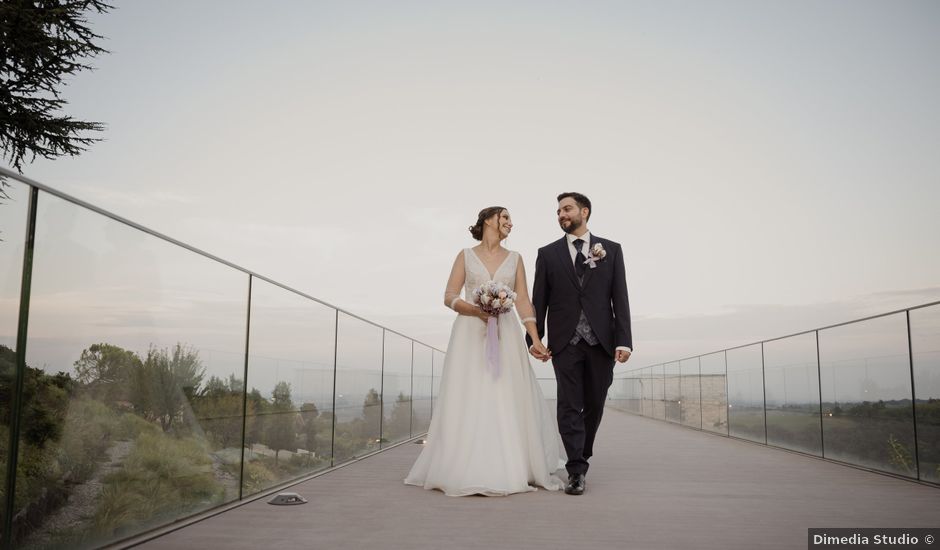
x: 622, y: 355
x: 539, y: 351
x: 535, y: 353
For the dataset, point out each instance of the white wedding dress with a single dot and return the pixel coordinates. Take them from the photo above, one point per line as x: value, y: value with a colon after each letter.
x: 490, y: 434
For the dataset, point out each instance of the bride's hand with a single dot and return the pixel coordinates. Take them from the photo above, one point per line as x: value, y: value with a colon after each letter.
x: 539, y: 351
x: 484, y: 316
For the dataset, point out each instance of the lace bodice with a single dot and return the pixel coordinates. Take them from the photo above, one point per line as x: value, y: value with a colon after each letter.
x: 469, y: 272
x: 477, y: 274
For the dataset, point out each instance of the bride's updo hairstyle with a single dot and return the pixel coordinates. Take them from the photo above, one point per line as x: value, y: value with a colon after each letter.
x: 477, y: 230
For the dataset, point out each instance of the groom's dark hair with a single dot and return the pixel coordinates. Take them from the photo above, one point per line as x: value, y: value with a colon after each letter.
x: 581, y: 200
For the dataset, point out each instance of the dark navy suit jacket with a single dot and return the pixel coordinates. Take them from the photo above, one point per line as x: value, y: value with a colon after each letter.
x: 602, y: 295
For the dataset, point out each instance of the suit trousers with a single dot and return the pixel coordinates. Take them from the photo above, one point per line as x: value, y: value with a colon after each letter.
x: 584, y: 374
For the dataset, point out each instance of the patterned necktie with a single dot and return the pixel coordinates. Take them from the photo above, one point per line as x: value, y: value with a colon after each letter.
x: 579, y: 259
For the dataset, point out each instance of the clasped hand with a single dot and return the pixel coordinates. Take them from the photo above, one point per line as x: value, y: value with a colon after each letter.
x: 539, y: 351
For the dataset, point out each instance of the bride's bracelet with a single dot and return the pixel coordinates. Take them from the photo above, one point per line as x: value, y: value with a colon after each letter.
x: 527, y: 319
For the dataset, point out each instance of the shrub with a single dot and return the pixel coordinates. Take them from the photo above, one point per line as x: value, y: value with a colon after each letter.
x: 162, y: 478
x: 257, y: 477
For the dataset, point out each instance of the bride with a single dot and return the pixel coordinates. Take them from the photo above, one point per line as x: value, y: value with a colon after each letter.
x: 492, y: 433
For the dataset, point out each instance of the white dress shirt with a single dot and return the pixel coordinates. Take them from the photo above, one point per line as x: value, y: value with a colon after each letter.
x: 585, y: 249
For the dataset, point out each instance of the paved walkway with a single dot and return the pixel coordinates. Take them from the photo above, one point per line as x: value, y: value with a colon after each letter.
x: 651, y: 485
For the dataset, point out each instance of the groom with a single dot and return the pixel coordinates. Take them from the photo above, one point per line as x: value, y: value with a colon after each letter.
x: 580, y: 283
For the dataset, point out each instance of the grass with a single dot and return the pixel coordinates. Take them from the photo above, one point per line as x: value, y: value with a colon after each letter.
x: 163, y: 477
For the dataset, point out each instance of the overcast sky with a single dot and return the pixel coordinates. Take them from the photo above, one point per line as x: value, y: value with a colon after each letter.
x: 768, y: 167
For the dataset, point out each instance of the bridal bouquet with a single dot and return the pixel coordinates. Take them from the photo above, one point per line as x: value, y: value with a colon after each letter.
x: 494, y: 298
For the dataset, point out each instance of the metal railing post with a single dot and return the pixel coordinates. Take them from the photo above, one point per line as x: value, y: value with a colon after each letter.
x: 335, y: 359
x: 16, y: 403
x: 822, y: 437
x: 763, y: 383
x: 241, y: 473
x: 382, y: 395
x: 411, y: 399
x: 910, y: 356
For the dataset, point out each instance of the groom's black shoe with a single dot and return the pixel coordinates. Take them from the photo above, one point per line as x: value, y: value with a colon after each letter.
x: 575, y: 485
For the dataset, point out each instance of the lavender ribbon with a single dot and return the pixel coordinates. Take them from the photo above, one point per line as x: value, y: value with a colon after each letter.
x: 492, y: 346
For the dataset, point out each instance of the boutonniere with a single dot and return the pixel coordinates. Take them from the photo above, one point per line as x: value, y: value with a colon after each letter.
x: 597, y: 254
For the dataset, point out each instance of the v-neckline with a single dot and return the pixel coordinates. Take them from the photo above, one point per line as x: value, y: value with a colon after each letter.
x: 492, y: 275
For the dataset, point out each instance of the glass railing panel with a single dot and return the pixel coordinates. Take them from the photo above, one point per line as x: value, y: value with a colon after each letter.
x: 396, y: 389
x: 545, y: 374
x: 619, y: 390
x: 657, y: 386
x: 622, y: 394
x: 672, y: 392
x: 714, y: 393
x: 792, y: 392
x: 127, y: 334
x: 358, y: 382
x: 642, y: 387
x: 643, y: 391
x: 645, y: 378
x: 925, y: 345
x: 746, y: 393
x: 639, y: 383
x: 549, y: 387
x: 14, y: 203
x: 690, y: 398
x: 866, y: 394
x: 289, y: 421
x: 422, y: 384
x: 616, y: 394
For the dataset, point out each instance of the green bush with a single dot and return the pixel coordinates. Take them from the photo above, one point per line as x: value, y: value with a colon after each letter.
x: 130, y: 426
x: 85, y: 433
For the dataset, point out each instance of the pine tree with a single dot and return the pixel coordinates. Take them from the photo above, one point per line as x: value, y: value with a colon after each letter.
x: 43, y: 42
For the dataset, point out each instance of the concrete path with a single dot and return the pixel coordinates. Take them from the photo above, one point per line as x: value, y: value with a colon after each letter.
x: 651, y: 485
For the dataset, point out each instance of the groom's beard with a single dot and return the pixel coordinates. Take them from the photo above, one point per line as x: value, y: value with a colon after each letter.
x: 572, y: 226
